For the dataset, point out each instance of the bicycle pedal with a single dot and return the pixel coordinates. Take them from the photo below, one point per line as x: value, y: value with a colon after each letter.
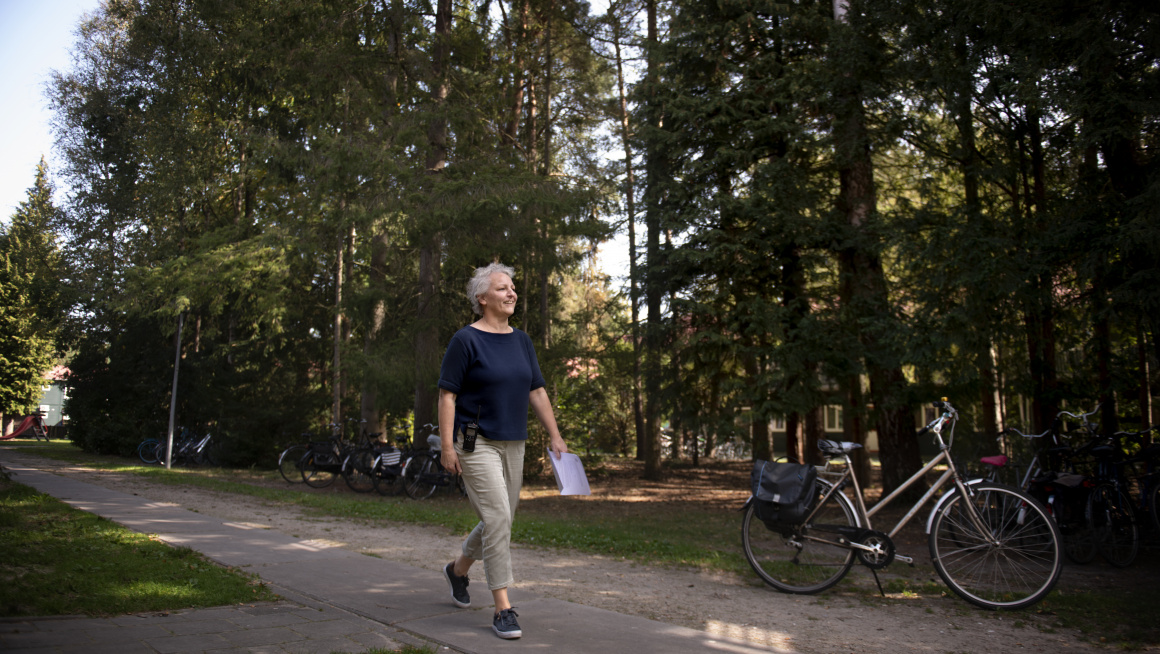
x: 905, y: 559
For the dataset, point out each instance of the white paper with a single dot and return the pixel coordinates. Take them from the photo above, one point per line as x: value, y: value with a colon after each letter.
x: 569, y: 473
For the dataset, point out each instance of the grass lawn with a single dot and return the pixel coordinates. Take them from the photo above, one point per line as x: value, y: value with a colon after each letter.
x: 58, y: 560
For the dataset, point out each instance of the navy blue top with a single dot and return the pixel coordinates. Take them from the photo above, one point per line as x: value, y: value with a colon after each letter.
x: 492, y: 374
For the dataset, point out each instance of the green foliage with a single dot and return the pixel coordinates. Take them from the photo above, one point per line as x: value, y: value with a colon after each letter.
x: 271, y: 182
x: 30, y: 302
x: 278, y: 172
x: 1014, y: 186
x: 61, y: 561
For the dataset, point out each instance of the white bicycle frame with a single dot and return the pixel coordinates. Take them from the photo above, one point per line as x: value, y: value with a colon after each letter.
x: 863, y: 515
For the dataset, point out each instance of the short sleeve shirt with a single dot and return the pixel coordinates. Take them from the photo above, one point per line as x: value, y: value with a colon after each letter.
x: 491, y: 376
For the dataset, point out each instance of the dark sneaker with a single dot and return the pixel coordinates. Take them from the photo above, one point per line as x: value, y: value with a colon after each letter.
x: 504, y: 624
x: 458, y: 586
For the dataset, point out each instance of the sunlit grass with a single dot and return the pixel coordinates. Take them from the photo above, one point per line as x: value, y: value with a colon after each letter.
x: 61, y: 561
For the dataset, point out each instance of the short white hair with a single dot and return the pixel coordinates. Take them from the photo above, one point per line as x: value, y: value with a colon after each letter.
x: 481, y: 281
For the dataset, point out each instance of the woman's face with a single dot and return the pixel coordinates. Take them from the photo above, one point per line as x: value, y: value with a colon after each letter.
x: 500, y: 297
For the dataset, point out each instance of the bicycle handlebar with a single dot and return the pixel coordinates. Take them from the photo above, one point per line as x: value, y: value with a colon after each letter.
x: 1012, y: 430
x: 949, y: 412
x: 1083, y: 417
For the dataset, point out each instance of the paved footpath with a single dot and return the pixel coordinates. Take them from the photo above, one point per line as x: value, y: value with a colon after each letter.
x: 334, y: 600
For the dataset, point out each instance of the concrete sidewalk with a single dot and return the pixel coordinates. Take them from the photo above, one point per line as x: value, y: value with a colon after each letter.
x: 334, y: 600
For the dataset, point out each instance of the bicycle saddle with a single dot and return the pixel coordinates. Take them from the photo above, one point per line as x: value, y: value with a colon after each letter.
x: 999, y: 460
x: 837, y: 448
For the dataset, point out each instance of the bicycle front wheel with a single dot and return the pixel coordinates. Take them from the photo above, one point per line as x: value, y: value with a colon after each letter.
x: 290, y: 462
x: 802, y: 559
x: 319, y: 468
x: 147, y: 450
x: 419, y: 476
x: 1113, y: 525
x: 997, y: 548
x: 357, y: 470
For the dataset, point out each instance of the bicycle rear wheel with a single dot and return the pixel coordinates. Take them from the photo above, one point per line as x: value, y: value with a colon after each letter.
x: 793, y: 562
x: 1113, y: 525
x: 997, y: 548
x: 419, y: 476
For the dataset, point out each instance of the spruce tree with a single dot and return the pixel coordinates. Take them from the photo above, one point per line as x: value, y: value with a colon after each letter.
x: 30, y: 304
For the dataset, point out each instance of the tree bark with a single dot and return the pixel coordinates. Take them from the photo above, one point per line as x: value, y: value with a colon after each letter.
x: 866, y: 300
x: 630, y: 207
x: 654, y: 289
x: 1039, y: 316
x: 431, y: 245
x: 1144, y: 394
x: 377, y: 275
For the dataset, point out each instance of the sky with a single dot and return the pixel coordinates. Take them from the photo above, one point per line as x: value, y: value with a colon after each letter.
x: 36, y: 37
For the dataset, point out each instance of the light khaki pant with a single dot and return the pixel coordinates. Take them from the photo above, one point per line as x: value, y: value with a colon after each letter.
x: 493, y: 475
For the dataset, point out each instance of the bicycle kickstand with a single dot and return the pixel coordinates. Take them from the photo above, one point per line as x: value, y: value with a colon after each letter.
x: 878, y: 581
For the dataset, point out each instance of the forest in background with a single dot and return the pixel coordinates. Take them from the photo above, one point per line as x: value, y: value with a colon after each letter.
x: 861, y: 204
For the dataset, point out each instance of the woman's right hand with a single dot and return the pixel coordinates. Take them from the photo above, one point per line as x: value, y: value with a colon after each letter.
x: 450, y: 460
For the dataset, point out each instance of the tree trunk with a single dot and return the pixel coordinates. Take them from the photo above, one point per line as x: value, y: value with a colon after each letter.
x: 431, y: 246
x: 815, y: 431
x: 630, y: 207
x: 1144, y: 396
x: 1102, y: 335
x: 853, y: 426
x: 1039, y: 315
x: 654, y: 289
x: 968, y: 159
x: 759, y: 424
x: 336, y: 362
x: 793, y: 428
x: 864, y: 282
x: 377, y: 275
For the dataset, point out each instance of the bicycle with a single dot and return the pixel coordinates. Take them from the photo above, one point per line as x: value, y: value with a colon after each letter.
x: 424, y: 471
x: 358, y: 468
x: 1147, y: 482
x: 188, y: 449
x: 1062, y: 490
x: 993, y: 545
x: 1105, y: 522
x: 390, y: 463
x: 1109, y: 508
x: 322, y: 463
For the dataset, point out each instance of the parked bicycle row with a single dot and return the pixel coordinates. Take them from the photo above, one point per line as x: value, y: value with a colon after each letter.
x: 370, y: 462
x: 1102, y: 489
x: 188, y: 449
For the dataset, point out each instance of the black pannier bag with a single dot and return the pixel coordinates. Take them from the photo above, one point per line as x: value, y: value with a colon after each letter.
x: 783, y: 493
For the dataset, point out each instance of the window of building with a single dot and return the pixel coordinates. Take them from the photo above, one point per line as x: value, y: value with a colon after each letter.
x: 834, y: 421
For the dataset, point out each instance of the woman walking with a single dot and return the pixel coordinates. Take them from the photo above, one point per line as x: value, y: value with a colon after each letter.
x: 489, y: 377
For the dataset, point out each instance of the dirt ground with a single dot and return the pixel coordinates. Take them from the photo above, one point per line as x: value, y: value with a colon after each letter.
x: 737, y: 606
